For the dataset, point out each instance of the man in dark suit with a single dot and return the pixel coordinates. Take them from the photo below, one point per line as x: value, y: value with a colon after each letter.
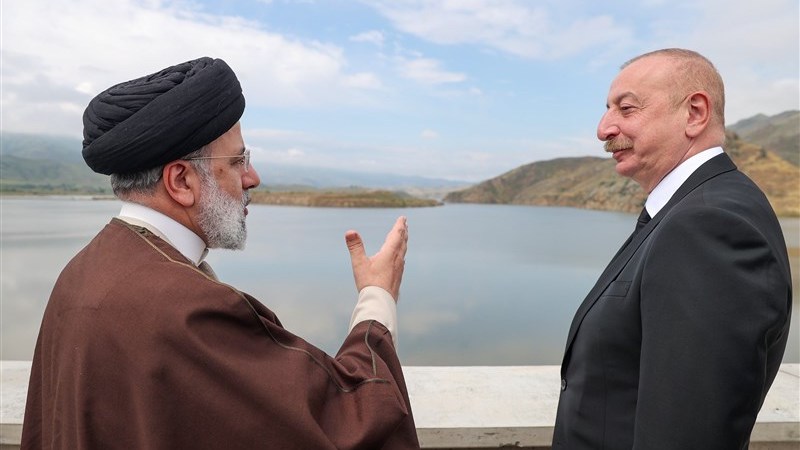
x: 678, y: 343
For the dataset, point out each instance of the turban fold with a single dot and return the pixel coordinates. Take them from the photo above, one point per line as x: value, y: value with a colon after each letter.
x: 152, y: 120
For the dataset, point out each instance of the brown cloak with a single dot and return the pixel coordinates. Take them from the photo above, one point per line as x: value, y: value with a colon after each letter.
x: 138, y: 349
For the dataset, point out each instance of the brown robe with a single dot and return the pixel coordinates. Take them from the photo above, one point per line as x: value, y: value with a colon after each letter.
x: 138, y: 349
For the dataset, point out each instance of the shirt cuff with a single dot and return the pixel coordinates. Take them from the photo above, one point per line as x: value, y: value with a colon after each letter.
x: 375, y: 303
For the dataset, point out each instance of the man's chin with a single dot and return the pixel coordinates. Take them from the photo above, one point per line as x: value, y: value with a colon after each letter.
x: 624, y: 168
x: 238, y: 244
x: 229, y: 246
x: 235, y: 241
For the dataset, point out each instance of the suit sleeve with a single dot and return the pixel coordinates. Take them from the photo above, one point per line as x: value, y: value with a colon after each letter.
x: 713, y: 305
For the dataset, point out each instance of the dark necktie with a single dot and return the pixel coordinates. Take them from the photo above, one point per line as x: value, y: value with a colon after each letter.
x: 644, y: 217
x: 641, y: 221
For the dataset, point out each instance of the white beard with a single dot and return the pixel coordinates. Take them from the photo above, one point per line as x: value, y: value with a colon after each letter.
x: 221, y: 216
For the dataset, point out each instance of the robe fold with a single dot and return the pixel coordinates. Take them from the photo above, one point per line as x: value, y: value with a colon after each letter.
x: 139, y: 349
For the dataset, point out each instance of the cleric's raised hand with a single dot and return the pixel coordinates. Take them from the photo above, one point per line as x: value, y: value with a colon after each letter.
x: 385, y: 268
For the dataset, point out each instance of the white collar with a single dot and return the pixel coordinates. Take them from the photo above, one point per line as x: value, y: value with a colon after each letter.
x: 167, y: 228
x: 667, y: 187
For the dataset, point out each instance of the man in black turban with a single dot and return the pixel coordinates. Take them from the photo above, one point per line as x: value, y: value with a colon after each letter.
x: 152, y: 120
x: 142, y: 347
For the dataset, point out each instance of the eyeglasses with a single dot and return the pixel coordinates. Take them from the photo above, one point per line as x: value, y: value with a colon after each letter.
x: 244, y: 159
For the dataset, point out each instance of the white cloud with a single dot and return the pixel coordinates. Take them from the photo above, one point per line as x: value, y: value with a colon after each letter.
x: 749, y: 94
x: 374, y: 37
x: 73, y: 50
x: 427, y: 71
x: 524, y: 29
x: 295, y: 153
x: 363, y: 80
x: 755, y: 46
x: 85, y: 88
x: 475, y: 57
x: 429, y: 134
x: 760, y: 69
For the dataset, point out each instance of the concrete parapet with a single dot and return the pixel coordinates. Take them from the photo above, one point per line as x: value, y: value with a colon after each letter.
x: 515, y: 407
x: 478, y: 407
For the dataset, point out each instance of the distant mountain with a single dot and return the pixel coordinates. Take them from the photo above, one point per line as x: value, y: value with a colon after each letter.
x: 286, y: 177
x: 582, y: 182
x: 41, y: 147
x: 591, y: 182
x: 46, y: 164
x: 779, y: 133
x: 42, y: 163
x: 345, y: 198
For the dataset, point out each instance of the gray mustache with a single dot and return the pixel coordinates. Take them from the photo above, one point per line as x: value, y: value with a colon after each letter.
x: 617, y: 144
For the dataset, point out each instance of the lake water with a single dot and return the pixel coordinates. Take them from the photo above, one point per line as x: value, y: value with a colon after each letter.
x: 483, y: 285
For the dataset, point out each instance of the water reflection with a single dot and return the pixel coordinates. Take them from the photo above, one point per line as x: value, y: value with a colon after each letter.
x: 484, y: 285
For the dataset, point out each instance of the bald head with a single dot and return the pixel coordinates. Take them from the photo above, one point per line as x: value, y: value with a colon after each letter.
x: 692, y: 72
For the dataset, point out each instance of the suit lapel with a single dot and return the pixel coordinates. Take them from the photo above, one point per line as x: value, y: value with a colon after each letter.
x: 713, y: 167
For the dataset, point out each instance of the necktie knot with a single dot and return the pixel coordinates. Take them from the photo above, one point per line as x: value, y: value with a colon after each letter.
x: 642, y: 220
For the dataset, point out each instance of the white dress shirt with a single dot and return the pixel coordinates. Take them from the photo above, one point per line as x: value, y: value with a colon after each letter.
x: 667, y: 187
x: 374, y: 303
x: 183, y: 239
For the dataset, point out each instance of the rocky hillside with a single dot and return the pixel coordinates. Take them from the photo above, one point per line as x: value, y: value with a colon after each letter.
x: 777, y: 177
x: 779, y: 133
x: 587, y: 182
x: 341, y: 199
x: 591, y: 182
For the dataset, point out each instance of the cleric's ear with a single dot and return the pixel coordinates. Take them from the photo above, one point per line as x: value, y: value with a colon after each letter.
x: 699, y: 114
x: 182, y: 182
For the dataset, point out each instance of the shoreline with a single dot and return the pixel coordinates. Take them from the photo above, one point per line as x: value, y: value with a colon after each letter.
x: 302, y: 198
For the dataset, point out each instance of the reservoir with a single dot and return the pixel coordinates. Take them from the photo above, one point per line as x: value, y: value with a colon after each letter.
x: 483, y: 284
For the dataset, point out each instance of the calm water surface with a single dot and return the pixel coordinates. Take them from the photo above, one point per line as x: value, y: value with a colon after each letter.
x: 483, y: 285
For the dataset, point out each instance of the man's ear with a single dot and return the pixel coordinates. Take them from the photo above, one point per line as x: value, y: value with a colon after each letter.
x: 181, y: 182
x: 699, y: 109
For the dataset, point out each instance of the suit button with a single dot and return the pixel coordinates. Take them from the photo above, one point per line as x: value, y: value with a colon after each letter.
x: 563, y: 384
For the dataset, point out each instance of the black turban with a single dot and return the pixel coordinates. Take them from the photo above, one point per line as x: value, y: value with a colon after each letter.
x: 152, y: 120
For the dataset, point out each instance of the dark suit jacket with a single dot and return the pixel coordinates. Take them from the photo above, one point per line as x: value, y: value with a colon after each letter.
x: 677, y: 344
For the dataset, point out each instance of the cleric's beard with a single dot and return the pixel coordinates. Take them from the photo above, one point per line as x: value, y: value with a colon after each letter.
x: 221, y: 216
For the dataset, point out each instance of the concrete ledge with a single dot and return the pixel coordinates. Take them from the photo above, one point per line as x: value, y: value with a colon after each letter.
x: 478, y: 407
x: 490, y: 407
x: 484, y: 406
x: 14, y: 376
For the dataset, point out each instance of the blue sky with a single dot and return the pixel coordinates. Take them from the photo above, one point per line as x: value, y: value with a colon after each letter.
x: 456, y: 89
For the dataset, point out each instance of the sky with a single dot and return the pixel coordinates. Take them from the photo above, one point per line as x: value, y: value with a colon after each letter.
x: 455, y: 89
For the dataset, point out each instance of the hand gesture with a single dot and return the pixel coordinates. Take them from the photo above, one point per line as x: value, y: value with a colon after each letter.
x: 385, y: 268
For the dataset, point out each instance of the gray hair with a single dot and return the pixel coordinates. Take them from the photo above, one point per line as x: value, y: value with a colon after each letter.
x: 695, y: 72
x: 129, y: 186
